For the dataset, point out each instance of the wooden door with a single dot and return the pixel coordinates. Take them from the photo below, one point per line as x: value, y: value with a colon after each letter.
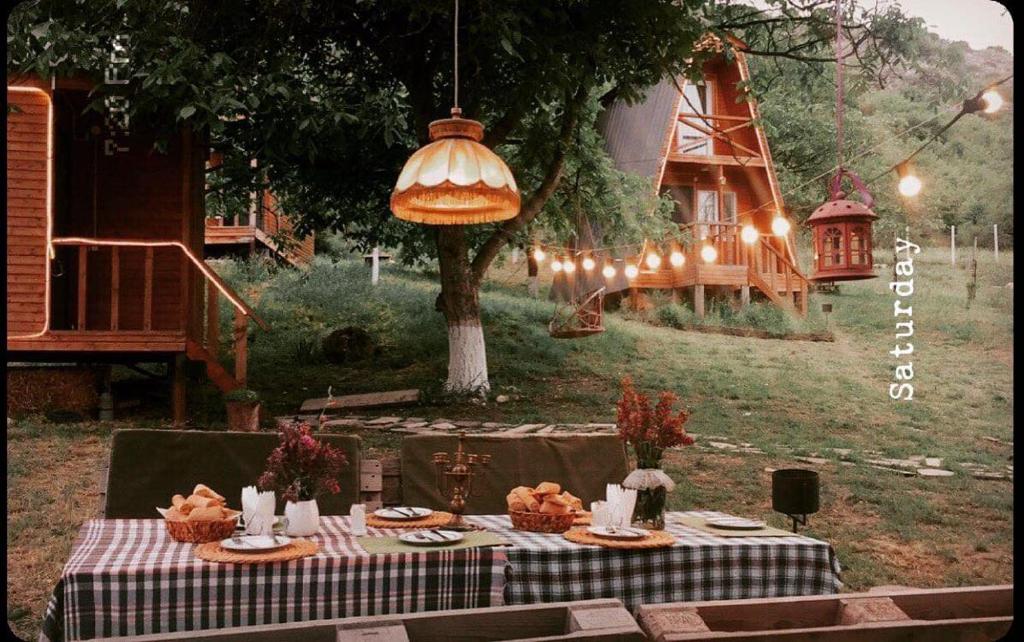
x: 28, y: 209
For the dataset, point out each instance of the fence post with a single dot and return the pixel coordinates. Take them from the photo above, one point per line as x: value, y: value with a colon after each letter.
x: 952, y: 244
x: 375, y: 265
x: 995, y: 240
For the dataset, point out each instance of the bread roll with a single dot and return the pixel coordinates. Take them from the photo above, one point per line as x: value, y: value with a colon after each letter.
x: 547, y: 488
x: 201, y: 514
x: 175, y: 515
x: 554, y: 508
x: 203, y: 502
x: 185, y: 508
x: 177, y: 500
x: 205, y: 491
x: 525, y: 496
x: 574, y: 502
x: 515, y: 503
x: 556, y: 499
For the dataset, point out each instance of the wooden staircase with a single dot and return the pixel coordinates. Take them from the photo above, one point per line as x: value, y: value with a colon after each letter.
x: 778, y: 278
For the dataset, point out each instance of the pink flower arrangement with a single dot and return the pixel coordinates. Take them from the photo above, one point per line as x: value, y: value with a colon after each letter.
x: 301, y: 467
x: 650, y: 431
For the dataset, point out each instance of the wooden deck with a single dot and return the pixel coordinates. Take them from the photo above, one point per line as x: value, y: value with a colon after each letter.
x: 717, y: 159
x: 106, y: 341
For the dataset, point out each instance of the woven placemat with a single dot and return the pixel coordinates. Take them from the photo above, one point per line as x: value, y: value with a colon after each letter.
x: 385, y: 545
x: 701, y: 524
x: 439, y: 518
x: 212, y: 552
x: 657, y: 539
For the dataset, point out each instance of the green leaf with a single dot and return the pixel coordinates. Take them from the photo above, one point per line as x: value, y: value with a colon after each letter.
x: 186, y: 111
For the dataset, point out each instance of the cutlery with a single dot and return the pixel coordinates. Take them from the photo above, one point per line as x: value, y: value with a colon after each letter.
x: 402, y: 511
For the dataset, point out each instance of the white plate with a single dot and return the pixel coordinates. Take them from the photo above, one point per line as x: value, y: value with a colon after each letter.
x: 254, y: 543
x: 618, y: 533
x: 736, y: 523
x: 431, y: 537
x: 403, y: 512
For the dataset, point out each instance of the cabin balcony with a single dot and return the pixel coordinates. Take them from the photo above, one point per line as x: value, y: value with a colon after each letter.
x: 715, y: 139
x: 733, y: 264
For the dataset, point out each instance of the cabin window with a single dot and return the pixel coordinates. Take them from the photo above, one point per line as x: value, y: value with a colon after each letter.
x: 729, y: 207
x: 707, y: 211
x: 859, y: 246
x: 832, y: 252
x: 683, y: 197
x: 696, y: 100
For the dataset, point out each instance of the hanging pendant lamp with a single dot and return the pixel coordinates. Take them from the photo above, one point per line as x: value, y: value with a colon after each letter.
x: 454, y: 180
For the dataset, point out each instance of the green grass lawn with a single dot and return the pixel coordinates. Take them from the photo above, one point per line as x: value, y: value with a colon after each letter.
x: 786, y: 397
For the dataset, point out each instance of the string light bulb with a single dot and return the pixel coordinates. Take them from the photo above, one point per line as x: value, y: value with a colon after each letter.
x: 909, y: 185
x: 708, y: 253
x: 538, y: 254
x: 992, y: 100
x: 568, y: 266
x: 588, y: 263
x: 632, y: 271
x: 780, y: 225
x: 556, y: 265
x: 749, y: 234
x: 653, y: 261
x: 608, y: 271
x: 676, y: 258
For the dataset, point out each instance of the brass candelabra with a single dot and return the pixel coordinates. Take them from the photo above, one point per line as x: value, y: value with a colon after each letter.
x: 455, y: 479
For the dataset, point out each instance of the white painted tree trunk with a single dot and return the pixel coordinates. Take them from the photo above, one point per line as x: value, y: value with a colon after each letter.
x: 467, y: 360
x: 375, y: 266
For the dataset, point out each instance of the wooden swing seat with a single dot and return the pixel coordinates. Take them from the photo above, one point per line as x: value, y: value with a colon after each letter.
x: 579, y: 319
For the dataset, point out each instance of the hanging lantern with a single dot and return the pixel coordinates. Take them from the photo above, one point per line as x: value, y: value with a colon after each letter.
x: 653, y: 261
x: 676, y: 258
x: 455, y: 180
x: 708, y: 253
x: 588, y: 263
x: 608, y: 271
x: 569, y: 265
x: 910, y: 184
x: 842, y: 235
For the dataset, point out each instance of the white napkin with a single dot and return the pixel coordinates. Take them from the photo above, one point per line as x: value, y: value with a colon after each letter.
x: 258, y: 511
x: 620, y: 503
x: 358, y: 514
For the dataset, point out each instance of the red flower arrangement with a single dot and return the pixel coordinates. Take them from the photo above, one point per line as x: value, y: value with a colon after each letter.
x: 302, y: 467
x: 650, y: 431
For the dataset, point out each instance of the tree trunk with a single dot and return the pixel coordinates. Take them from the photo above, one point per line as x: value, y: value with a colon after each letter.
x: 459, y: 301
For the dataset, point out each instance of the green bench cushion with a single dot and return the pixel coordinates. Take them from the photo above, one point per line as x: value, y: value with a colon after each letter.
x: 582, y: 464
x: 147, y: 467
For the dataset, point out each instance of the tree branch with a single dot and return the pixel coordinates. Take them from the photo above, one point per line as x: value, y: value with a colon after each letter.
x: 535, y: 203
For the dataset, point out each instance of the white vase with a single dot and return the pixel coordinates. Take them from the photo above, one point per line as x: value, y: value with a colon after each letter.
x: 303, y: 518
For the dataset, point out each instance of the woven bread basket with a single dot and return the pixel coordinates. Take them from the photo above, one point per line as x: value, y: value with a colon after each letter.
x: 202, y: 531
x: 541, y: 522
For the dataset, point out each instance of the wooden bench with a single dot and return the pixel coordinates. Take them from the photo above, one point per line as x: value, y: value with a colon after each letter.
x: 604, y: 620
x: 895, y: 614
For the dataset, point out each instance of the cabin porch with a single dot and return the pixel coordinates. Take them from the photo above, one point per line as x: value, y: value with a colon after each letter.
x: 734, y: 264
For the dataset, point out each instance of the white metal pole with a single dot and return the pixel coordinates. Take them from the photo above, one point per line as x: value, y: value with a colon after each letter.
x: 995, y: 240
x: 952, y: 244
x: 375, y: 266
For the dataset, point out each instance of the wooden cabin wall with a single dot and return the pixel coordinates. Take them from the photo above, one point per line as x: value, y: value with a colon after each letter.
x: 26, y: 212
x: 138, y: 195
x: 725, y: 94
x: 301, y: 249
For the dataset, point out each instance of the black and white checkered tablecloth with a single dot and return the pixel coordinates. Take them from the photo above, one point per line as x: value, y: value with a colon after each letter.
x: 127, y: 577
x: 699, y: 566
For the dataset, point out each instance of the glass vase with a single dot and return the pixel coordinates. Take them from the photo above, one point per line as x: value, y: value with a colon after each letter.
x: 649, y: 511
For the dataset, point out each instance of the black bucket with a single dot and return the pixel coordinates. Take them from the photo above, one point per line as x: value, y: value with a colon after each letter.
x: 795, y: 491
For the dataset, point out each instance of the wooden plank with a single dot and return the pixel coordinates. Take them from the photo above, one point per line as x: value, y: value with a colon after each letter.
x: 115, y: 287
x: 370, y: 476
x: 241, y: 331
x: 212, y: 319
x: 365, y: 400
x: 147, y: 292
x: 83, y: 270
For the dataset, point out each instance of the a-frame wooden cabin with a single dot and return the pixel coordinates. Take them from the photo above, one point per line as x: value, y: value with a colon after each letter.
x: 262, y: 228
x: 105, y: 242
x: 697, y: 142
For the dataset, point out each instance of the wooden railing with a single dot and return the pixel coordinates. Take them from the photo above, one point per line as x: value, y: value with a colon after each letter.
x: 768, y: 268
x: 714, y: 127
x: 199, y: 344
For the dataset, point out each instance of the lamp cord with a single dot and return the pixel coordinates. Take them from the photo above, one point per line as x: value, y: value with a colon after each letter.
x: 456, y: 106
